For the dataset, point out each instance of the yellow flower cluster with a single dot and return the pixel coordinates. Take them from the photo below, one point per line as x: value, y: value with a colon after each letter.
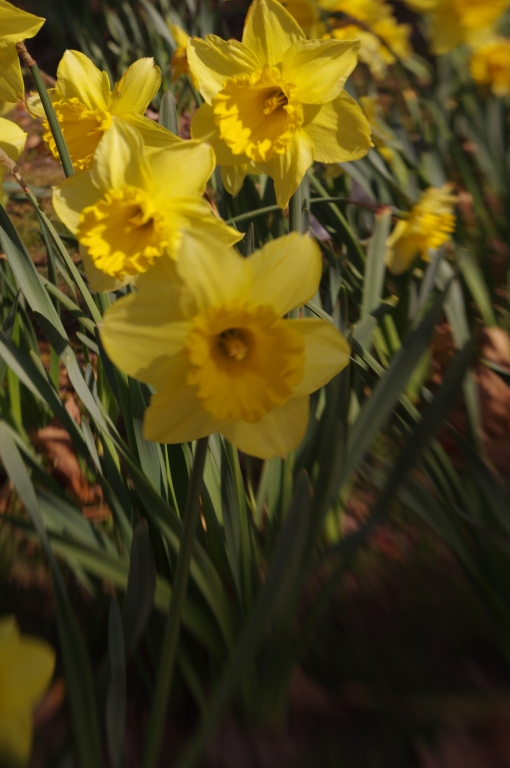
x: 430, y: 223
x: 490, y: 66
x: 382, y: 37
x: 458, y: 21
x: 205, y: 327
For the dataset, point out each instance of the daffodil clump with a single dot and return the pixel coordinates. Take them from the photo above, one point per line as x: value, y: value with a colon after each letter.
x: 87, y: 108
x: 490, y: 66
x: 133, y: 206
x: 458, y: 21
x: 15, y: 26
x: 12, y: 142
x: 429, y: 225
x: 382, y: 38
x: 26, y: 669
x: 275, y: 102
x: 214, y: 343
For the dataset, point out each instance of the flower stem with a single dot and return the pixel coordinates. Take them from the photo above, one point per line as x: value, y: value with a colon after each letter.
x: 173, y: 623
x: 295, y: 211
x: 31, y: 65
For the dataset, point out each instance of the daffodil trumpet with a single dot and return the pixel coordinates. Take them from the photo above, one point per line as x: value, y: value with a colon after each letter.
x: 275, y: 102
x: 133, y: 206
x: 209, y: 333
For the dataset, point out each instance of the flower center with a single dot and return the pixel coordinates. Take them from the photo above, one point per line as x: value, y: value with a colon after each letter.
x: 274, y: 102
x: 232, y: 343
x: 83, y: 129
x: 123, y: 232
x: 257, y: 115
x: 244, y: 360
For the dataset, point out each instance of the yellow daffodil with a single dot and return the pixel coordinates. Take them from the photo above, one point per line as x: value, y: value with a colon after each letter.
x: 26, y: 668
x: 458, y: 21
x: 85, y: 106
x: 179, y: 63
x: 430, y: 223
x: 490, y: 65
x: 15, y: 26
x: 7, y: 106
x: 12, y: 142
x: 379, y: 26
x: 276, y: 100
x: 380, y: 132
x: 217, y: 349
x: 133, y: 207
x: 307, y: 15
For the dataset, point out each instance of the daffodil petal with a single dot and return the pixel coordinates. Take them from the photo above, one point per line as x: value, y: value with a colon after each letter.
x: 286, y: 272
x: 197, y: 213
x: 11, y: 81
x: 72, y: 196
x: 319, y: 68
x: 326, y: 353
x: 16, y: 736
x: 214, y: 60
x: 288, y: 169
x: 277, y: 433
x: 29, y: 671
x: 154, y: 135
x: 34, y: 105
x: 78, y: 77
x: 269, y: 30
x: 119, y: 160
x: 401, y: 251
x: 233, y: 177
x: 136, y: 88
x: 98, y: 280
x: 340, y: 132
x: 149, y: 321
x: 447, y: 32
x: 185, y: 168
x: 17, y: 25
x: 212, y: 273
x: 203, y: 128
x: 175, y: 413
x: 12, y: 139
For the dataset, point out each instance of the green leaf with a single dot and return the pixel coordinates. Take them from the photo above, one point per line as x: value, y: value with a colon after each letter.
x: 117, y: 694
x: 141, y: 587
x: 375, y: 267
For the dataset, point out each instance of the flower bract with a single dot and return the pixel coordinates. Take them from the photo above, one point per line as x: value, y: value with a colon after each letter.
x: 85, y: 106
x: 133, y: 207
x: 217, y: 348
x: 276, y: 101
x: 26, y: 668
x: 12, y: 142
x: 15, y: 26
x: 430, y: 224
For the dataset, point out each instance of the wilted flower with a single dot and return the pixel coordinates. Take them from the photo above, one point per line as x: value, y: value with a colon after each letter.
x: 132, y: 207
x: 85, y: 106
x: 179, y: 63
x: 276, y: 100
x: 458, y: 21
x: 12, y: 142
x: 430, y: 223
x: 490, y: 65
x: 26, y: 668
x: 217, y: 348
x: 15, y: 26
